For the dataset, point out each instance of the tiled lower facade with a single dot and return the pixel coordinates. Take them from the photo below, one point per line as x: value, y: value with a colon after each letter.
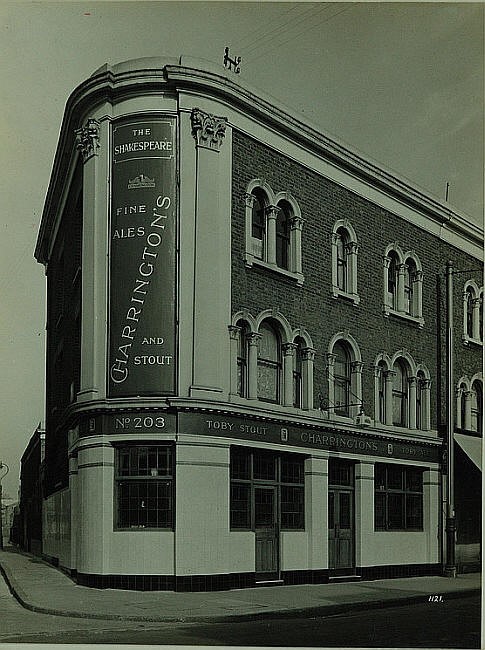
x: 202, y: 513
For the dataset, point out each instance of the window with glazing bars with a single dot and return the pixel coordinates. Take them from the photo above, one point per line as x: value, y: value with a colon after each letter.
x: 398, y: 497
x: 250, y: 468
x: 144, y: 486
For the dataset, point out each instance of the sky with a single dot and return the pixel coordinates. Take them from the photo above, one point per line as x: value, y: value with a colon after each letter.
x: 401, y: 83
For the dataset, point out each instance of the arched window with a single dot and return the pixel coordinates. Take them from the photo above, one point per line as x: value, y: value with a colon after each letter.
x: 298, y: 374
x: 410, y: 277
x: 273, y: 230
x: 480, y: 317
x: 269, y: 364
x: 403, y: 285
x: 420, y: 400
x: 470, y: 297
x: 283, y: 234
x: 342, y: 241
x: 344, y: 261
x: 477, y: 406
x: 462, y: 406
x: 258, y: 222
x: 381, y: 388
x: 242, y: 359
x: 400, y: 395
x: 392, y: 280
x: 342, y: 379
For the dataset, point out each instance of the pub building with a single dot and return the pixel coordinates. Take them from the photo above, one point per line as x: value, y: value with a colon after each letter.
x: 245, y: 344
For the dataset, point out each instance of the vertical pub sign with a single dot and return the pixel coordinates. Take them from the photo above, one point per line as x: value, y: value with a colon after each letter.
x: 142, y: 334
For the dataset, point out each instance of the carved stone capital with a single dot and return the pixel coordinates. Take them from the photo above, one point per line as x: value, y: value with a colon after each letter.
x: 272, y: 211
x: 87, y: 139
x: 331, y: 357
x: 249, y: 198
x: 296, y: 223
x: 234, y: 332
x: 208, y: 130
x: 357, y: 366
x: 254, y: 338
x: 308, y: 354
x: 289, y: 349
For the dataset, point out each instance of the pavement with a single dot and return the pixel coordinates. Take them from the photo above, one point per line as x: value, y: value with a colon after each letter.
x: 40, y: 587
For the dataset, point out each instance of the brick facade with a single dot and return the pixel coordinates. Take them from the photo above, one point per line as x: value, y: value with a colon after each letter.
x: 312, y: 305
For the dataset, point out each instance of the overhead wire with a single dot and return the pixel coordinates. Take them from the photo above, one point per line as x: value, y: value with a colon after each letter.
x: 293, y: 36
x: 263, y: 33
x: 281, y: 30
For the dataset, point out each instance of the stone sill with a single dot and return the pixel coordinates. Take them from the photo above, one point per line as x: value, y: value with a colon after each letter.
x: 350, y: 297
x: 250, y: 260
x: 414, y: 320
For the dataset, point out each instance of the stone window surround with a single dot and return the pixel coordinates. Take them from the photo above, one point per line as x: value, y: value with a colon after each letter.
x: 288, y: 335
x: 351, y: 254
x: 416, y: 316
x: 268, y: 259
x: 385, y: 364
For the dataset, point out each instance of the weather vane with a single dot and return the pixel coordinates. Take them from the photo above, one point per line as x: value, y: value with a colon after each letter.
x: 228, y: 62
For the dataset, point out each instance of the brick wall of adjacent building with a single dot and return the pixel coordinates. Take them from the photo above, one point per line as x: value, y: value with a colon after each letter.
x: 63, y: 359
x: 322, y: 202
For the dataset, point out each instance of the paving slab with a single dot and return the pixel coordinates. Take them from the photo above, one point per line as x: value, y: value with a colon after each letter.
x: 40, y: 587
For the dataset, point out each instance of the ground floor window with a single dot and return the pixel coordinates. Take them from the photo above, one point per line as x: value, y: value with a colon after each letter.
x: 144, y: 486
x: 398, y: 497
x: 284, y: 497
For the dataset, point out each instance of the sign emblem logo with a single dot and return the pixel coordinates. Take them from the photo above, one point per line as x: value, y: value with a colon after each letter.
x: 140, y: 181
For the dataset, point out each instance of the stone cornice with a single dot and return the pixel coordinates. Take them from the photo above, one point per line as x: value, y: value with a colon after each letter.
x: 172, y: 76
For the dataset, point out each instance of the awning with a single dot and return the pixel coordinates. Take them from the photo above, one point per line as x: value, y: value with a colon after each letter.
x: 472, y: 446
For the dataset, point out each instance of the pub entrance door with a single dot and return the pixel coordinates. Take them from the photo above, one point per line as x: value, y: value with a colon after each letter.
x: 341, y: 552
x: 267, y: 533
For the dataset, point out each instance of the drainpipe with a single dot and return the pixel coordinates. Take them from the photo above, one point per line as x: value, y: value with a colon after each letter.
x: 450, y: 528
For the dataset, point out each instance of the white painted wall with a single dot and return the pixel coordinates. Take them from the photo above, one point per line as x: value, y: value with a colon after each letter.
x: 56, y: 529
x: 202, y: 508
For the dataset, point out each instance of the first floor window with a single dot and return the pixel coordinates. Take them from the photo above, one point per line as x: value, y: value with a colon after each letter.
x: 269, y: 364
x: 144, y: 486
x: 266, y: 486
x: 398, y: 497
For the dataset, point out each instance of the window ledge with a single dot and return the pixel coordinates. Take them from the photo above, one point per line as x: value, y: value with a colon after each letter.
x: 351, y: 297
x: 393, y: 428
x: 467, y: 340
x: 250, y: 260
x: 388, y: 311
x: 333, y: 417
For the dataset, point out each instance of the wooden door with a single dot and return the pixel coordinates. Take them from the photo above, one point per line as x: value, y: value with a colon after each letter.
x: 267, y: 533
x: 340, y: 528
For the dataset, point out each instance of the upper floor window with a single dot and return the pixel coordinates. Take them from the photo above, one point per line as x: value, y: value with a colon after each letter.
x: 477, y: 406
x: 399, y: 395
x: 469, y: 404
x: 392, y: 280
x: 242, y: 359
x: 342, y: 379
x: 298, y: 374
x: 283, y: 234
x: 270, y: 361
x: 344, y: 366
x: 273, y: 230
x: 258, y: 222
x: 269, y: 364
x: 403, y: 285
x: 402, y: 393
x: 344, y: 261
x: 472, y: 313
